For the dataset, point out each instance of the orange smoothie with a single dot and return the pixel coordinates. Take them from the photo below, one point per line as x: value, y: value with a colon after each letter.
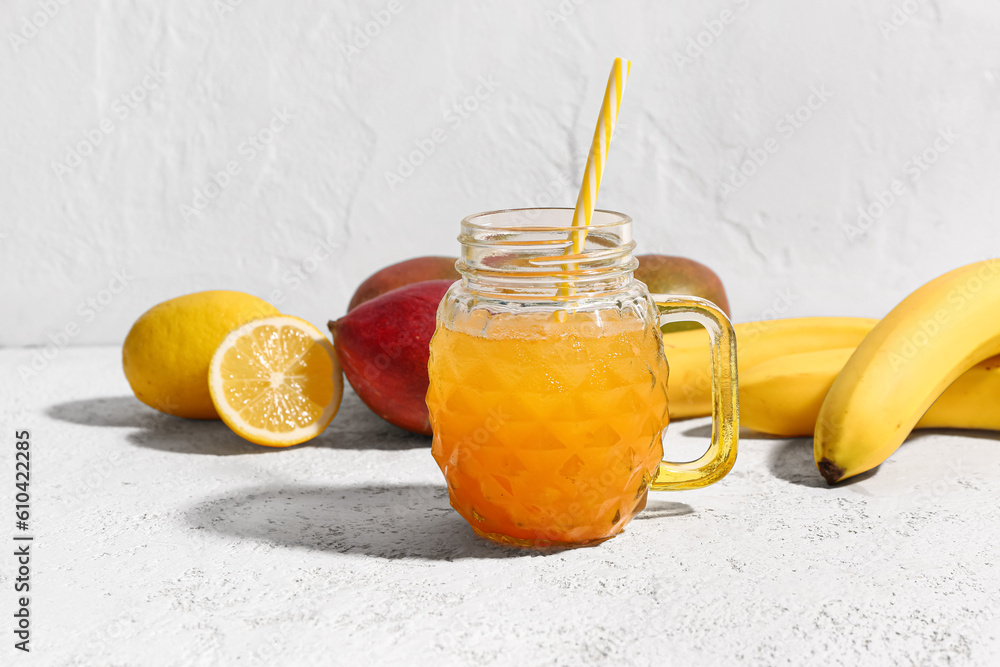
x: 548, y: 432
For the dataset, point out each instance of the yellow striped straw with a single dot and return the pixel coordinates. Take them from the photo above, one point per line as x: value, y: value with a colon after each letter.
x: 587, y: 199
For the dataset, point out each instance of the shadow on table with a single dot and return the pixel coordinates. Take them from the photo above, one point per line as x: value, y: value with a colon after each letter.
x: 791, y: 461
x: 113, y: 411
x: 705, y: 431
x: 794, y: 462
x: 355, y: 427
x: 408, y: 521
x: 955, y: 432
x: 660, y: 509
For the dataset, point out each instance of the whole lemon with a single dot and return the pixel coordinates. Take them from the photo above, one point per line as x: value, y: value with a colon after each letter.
x: 168, y: 350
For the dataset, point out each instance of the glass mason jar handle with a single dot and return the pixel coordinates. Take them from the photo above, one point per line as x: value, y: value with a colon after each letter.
x: 721, y: 455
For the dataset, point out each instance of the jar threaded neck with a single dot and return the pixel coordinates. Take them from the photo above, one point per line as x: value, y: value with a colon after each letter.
x: 527, y: 252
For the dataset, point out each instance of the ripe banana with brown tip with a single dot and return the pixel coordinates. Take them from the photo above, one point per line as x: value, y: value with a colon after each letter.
x: 783, y: 396
x: 907, y: 361
x: 689, y: 389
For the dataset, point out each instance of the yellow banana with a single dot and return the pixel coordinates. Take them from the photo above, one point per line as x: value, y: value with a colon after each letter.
x: 783, y: 396
x: 689, y: 389
x: 907, y: 361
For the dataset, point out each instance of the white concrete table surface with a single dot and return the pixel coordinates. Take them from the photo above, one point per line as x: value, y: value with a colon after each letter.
x: 161, y: 541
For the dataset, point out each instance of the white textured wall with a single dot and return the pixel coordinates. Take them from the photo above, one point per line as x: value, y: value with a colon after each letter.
x: 178, y: 87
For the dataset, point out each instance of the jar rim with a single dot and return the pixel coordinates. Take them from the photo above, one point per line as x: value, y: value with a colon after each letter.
x: 618, y: 220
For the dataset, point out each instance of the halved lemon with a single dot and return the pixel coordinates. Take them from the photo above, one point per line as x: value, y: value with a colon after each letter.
x: 276, y: 381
